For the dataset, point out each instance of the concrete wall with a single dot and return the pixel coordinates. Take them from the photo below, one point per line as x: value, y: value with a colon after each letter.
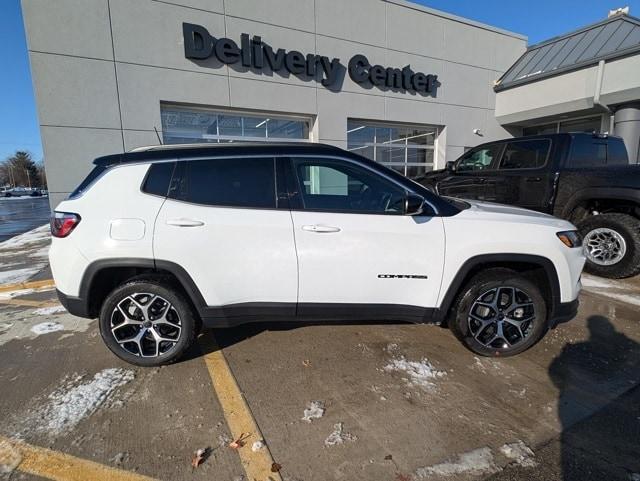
x: 102, y: 67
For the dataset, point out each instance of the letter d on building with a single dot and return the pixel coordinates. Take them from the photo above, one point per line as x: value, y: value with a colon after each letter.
x: 198, y: 43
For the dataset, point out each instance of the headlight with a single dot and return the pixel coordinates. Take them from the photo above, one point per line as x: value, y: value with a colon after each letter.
x: 570, y: 238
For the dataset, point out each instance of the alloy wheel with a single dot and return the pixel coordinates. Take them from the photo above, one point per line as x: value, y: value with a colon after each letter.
x: 604, y: 247
x: 501, y: 317
x: 145, y: 325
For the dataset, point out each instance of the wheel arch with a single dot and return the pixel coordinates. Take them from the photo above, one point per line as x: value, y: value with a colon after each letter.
x: 539, y: 267
x: 102, y: 276
x: 579, y: 204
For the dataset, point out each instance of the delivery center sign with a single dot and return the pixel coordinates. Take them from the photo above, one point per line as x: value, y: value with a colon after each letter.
x: 253, y: 53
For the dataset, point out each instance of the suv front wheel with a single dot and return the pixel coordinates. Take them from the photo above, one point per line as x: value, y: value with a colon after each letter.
x: 499, y: 313
x: 147, y: 323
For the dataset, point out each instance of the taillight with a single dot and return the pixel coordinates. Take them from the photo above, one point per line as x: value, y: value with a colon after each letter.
x: 62, y: 223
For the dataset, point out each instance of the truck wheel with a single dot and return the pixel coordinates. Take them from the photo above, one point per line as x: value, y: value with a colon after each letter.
x: 146, y: 323
x: 612, y: 245
x: 499, y: 313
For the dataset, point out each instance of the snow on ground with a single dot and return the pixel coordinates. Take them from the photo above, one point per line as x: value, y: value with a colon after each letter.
x: 339, y: 436
x: 16, y: 276
x: 419, y: 373
x: 615, y: 289
x: 520, y: 453
x: 478, y: 461
x: 48, y: 311
x: 22, y: 292
x: 315, y: 410
x: 42, y: 233
x: 46, y: 328
x: 77, y: 399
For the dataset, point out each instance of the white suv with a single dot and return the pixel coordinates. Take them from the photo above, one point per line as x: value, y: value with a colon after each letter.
x: 160, y: 241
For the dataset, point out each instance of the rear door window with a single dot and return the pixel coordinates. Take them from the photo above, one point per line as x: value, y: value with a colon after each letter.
x: 232, y: 182
x: 617, y: 152
x: 158, y: 178
x: 525, y: 154
x: 587, y: 151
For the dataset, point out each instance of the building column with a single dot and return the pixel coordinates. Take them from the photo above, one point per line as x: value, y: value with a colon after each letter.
x: 627, y: 126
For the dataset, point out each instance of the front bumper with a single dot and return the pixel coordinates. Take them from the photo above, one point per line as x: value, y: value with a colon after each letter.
x: 74, y: 305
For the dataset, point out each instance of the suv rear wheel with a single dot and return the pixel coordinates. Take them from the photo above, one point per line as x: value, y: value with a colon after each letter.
x: 612, y: 245
x: 147, y: 323
x: 499, y: 313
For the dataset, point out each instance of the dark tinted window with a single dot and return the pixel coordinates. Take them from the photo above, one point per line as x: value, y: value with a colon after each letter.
x: 344, y: 187
x: 239, y: 182
x: 617, y: 152
x: 158, y: 178
x: 525, y: 154
x: 93, y: 175
x: 587, y: 151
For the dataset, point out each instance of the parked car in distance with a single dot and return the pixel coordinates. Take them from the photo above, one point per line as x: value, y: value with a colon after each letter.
x: 584, y: 178
x: 162, y: 240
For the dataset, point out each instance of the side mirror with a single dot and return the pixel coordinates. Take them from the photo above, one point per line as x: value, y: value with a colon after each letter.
x: 413, y: 204
x: 451, y: 166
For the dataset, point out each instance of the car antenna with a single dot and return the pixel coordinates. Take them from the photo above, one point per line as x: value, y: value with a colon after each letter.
x: 158, y: 135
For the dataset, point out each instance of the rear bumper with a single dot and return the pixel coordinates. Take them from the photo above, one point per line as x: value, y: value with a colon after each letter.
x: 564, y: 312
x: 74, y: 305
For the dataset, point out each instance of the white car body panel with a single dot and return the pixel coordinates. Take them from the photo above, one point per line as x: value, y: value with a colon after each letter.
x: 237, y: 255
x: 115, y: 199
x: 344, y: 266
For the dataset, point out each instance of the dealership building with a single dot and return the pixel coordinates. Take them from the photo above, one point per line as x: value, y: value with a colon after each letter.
x: 408, y: 86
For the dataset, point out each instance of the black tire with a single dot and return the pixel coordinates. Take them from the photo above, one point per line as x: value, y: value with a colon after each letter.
x: 479, y: 287
x: 181, y: 314
x: 628, y: 227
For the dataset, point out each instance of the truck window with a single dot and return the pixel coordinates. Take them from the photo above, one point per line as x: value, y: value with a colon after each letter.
x: 479, y: 158
x: 587, y: 152
x: 525, y: 154
x: 617, y: 152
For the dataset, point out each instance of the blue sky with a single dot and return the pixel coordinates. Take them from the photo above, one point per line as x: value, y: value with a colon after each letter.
x: 538, y: 20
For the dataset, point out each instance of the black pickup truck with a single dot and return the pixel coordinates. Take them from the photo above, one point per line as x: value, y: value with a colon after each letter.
x: 585, y: 178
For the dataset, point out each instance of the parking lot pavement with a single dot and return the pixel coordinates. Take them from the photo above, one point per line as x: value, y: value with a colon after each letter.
x: 383, y: 401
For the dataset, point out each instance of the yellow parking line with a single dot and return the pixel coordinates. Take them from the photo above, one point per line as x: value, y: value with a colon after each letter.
x: 27, y: 285
x: 28, y: 303
x: 257, y: 465
x: 58, y: 466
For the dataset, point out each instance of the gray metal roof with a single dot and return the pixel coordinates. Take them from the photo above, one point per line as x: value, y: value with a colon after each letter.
x: 613, y: 37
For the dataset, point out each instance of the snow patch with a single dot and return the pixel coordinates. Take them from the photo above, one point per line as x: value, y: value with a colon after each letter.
x: 257, y: 446
x: 632, y: 476
x: 46, y: 328
x: 76, y: 400
x: 16, y: 276
x: 338, y: 436
x: 478, y: 461
x: 419, y: 374
x: 42, y: 233
x: 520, y: 453
x: 315, y: 410
x: 47, y: 311
x: 22, y: 292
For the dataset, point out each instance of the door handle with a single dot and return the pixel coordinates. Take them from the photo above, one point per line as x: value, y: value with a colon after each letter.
x: 320, y: 228
x: 532, y: 179
x: 184, y: 222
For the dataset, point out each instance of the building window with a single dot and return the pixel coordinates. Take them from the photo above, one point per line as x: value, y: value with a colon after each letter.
x: 589, y: 124
x: 181, y: 125
x: 408, y: 149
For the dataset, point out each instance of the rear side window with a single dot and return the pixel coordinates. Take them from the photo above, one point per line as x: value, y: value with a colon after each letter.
x: 158, y: 178
x: 237, y: 182
x: 587, y: 152
x: 617, y: 152
x: 525, y: 154
x: 93, y: 175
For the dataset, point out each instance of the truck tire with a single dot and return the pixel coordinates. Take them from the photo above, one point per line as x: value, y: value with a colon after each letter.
x: 612, y: 245
x: 499, y: 313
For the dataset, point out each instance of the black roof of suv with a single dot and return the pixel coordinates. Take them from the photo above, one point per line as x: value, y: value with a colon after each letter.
x: 163, y: 152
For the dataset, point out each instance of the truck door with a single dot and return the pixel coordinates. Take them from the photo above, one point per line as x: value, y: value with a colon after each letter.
x: 522, y: 178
